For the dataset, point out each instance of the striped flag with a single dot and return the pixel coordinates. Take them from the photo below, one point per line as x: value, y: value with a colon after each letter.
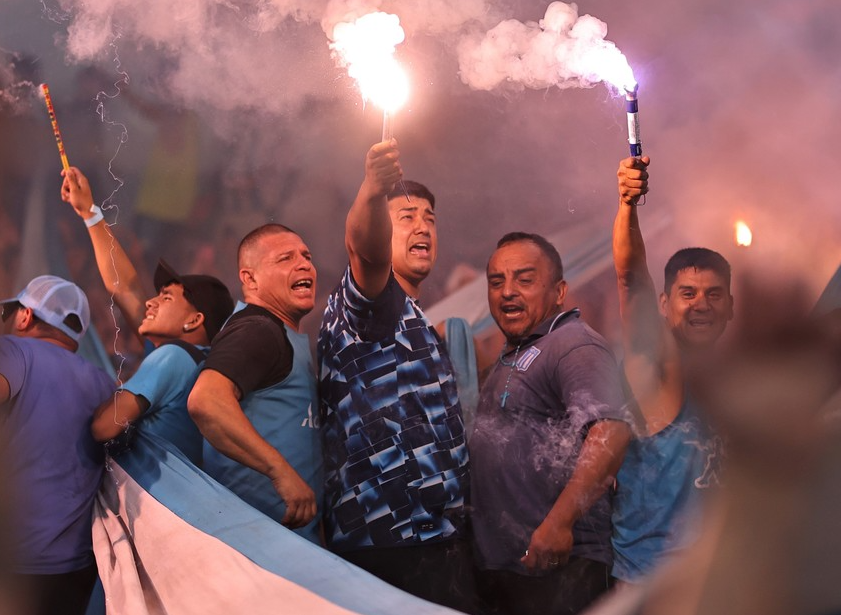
x: 169, y: 539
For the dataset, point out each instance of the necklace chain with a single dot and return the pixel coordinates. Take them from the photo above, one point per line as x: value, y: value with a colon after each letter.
x: 513, y: 365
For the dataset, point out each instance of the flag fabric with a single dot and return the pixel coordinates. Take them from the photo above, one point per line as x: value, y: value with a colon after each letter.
x: 171, y: 540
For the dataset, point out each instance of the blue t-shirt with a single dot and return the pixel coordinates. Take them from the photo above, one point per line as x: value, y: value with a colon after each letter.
x: 165, y: 379
x: 51, y: 458
x: 396, y: 464
x: 659, y: 486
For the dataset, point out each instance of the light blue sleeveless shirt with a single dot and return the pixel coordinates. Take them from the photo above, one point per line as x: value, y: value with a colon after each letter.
x: 286, y: 416
x: 656, y: 508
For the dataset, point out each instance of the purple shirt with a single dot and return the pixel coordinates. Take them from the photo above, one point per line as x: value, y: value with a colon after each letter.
x: 532, y: 419
x: 52, y: 460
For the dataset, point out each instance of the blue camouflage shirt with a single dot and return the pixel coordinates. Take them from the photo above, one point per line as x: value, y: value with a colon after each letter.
x: 396, y: 464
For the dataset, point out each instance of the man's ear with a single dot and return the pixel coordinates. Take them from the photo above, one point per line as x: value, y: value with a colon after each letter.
x: 195, y: 321
x: 24, y: 319
x: 663, y: 302
x: 562, y: 293
x: 246, y: 276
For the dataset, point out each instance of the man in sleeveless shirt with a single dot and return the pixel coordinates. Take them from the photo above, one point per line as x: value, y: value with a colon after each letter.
x: 674, y: 457
x: 255, y: 400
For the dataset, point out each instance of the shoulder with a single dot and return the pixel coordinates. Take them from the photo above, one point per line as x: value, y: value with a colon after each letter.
x: 25, y: 349
x: 575, y: 334
x: 11, y: 344
x: 372, y: 319
x: 251, y: 323
x: 169, y: 356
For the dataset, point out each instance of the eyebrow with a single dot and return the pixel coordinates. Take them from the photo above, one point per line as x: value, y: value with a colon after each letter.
x: 291, y: 252
x: 517, y: 272
x: 706, y: 290
x: 414, y: 208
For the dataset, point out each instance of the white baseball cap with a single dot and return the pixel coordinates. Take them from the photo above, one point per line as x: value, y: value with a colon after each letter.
x: 52, y: 299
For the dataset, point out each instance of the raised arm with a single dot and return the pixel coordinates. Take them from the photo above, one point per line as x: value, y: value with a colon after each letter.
x: 641, y: 320
x: 117, y: 271
x: 368, y: 228
x: 214, y: 406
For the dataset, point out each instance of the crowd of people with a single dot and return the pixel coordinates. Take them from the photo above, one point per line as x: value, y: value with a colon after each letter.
x: 579, y: 473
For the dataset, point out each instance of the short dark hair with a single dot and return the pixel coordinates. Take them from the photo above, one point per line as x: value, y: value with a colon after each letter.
x: 412, y: 188
x: 700, y: 259
x: 272, y: 228
x: 545, y: 246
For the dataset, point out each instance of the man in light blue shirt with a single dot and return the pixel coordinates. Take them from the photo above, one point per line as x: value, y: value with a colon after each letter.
x: 179, y: 322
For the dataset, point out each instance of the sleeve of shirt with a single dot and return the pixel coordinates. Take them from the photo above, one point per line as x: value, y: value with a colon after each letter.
x: 591, y: 384
x: 12, y: 364
x: 247, y: 352
x: 372, y: 319
x: 162, y: 375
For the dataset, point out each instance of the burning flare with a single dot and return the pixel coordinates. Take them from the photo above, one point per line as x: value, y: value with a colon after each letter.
x: 366, y: 47
x: 744, y: 237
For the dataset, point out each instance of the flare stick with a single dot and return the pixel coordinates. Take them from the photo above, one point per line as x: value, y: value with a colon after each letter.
x: 632, y: 107
x: 56, y: 131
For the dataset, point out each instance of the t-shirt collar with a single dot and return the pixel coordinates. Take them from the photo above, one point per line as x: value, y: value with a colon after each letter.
x: 546, y: 327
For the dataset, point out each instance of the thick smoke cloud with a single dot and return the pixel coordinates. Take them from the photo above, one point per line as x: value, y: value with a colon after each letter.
x: 737, y: 104
x: 564, y: 50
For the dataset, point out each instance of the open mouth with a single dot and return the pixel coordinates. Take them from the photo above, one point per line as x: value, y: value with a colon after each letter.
x: 511, y: 309
x: 302, y: 285
x: 419, y: 249
x: 700, y: 323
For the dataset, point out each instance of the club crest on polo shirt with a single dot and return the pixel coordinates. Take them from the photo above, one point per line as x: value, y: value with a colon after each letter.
x: 528, y: 357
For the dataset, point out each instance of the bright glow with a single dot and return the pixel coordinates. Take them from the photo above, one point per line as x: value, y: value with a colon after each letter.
x: 612, y: 67
x: 366, y: 46
x: 744, y: 237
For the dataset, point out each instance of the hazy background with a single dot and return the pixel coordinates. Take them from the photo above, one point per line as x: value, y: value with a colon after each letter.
x: 738, y: 108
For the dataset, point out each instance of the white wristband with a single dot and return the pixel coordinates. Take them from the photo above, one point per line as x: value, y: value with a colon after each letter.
x: 95, y: 218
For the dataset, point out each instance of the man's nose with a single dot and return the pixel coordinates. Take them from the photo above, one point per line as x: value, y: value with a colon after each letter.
x: 701, y: 302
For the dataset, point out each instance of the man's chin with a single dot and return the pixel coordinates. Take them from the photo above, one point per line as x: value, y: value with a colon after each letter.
x: 304, y: 307
x: 700, y: 340
x: 415, y: 275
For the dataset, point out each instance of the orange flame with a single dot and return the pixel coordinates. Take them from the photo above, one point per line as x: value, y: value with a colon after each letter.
x: 744, y: 236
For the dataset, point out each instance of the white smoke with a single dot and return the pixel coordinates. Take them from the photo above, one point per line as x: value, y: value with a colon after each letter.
x: 16, y: 92
x: 225, y: 55
x: 261, y: 50
x: 726, y: 89
x: 563, y: 50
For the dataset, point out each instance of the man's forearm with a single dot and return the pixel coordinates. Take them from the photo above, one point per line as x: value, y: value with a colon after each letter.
x: 629, y: 247
x: 368, y: 228
x: 114, y: 416
x: 118, y: 274
x: 599, y: 461
x: 222, y: 422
